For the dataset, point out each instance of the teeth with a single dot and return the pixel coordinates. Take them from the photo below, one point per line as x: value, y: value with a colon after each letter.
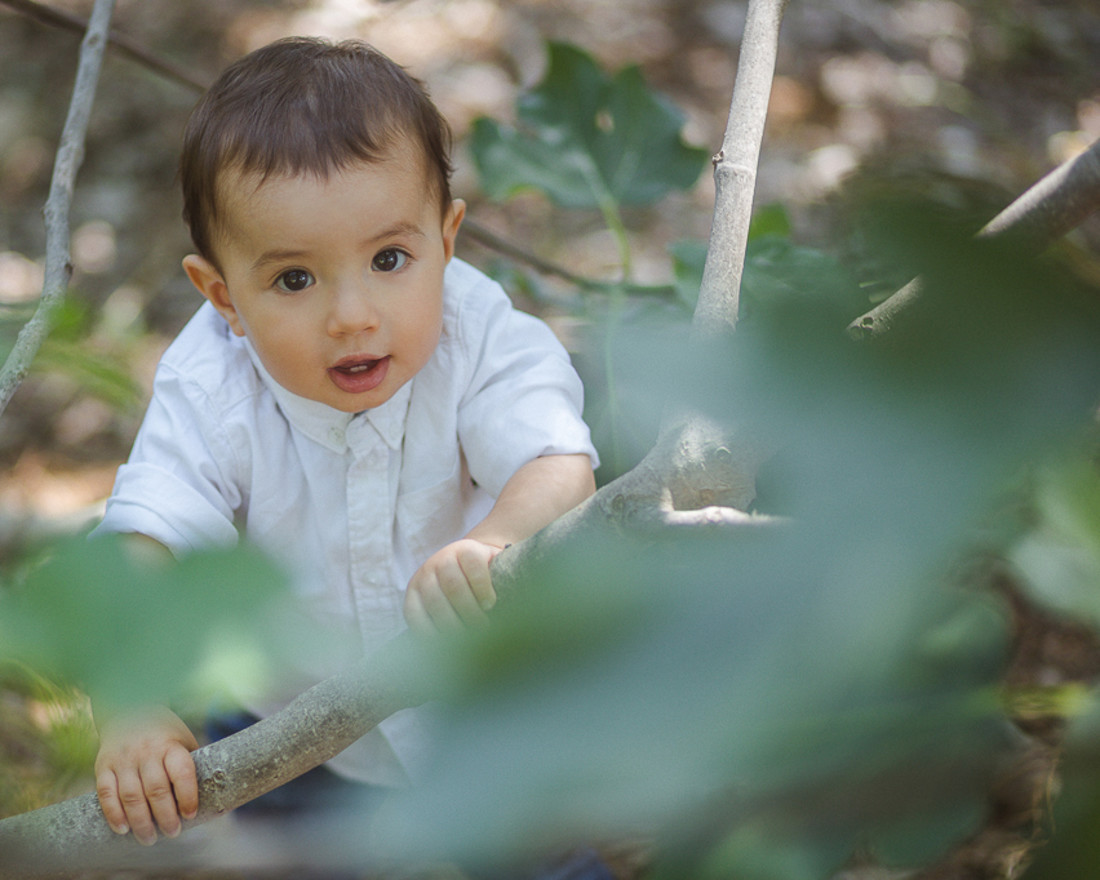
x: 359, y: 368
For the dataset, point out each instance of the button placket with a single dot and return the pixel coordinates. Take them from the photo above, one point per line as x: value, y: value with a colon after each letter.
x: 370, y: 518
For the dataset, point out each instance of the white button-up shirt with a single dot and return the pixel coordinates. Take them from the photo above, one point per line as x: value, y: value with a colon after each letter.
x: 352, y: 504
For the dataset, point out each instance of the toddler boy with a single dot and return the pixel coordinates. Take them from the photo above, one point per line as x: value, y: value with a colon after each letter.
x: 352, y: 398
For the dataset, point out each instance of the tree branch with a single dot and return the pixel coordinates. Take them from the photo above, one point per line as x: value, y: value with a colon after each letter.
x: 69, y: 21
x: 707, y: 465
x: 69, y: 156
x: 489, y: 239
x: 1054, y: 206
x: 315, y: 727
x: 735, y: 168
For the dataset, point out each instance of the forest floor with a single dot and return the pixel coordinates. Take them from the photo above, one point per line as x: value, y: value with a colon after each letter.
x: 970, y: 101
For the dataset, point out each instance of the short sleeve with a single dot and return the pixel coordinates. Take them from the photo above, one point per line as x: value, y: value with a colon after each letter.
x: 177, y: 486
x: 524, y: 398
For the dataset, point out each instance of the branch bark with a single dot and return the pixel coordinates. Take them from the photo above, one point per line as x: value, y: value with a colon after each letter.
x: 735, y: 169
x: 69, y: 156
x: 1054, y: 206
x: 693, y: 467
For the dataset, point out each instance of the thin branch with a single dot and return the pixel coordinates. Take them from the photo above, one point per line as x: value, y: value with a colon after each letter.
x: 489, y: 239
x: 1054, y: 206
x: 735, y: 168
x: 70, y: 154
x: 72, y: 22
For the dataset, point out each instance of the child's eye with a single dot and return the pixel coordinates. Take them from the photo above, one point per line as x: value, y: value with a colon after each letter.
x: 389, y: 260
x: 294, y: 280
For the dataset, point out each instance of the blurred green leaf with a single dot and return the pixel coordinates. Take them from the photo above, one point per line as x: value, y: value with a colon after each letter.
x: 688, y: 259
x: 1059, y: 557
x: 768, y: 701
x: 586, y: 139
x: 637, y: 686
x: 100, y: 374
x: 131, y: 630
x: 770, y: 220
x: 777, y: 269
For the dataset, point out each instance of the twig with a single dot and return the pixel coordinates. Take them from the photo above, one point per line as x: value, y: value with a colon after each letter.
x: 1058, y: 203
x: 489, y: 239
x: 70, y: 154
x: 735, y: 168
x: 69, y: 21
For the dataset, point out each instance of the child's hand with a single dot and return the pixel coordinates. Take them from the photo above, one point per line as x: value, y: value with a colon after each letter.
x: 145, y: 775
x: 452, y: 589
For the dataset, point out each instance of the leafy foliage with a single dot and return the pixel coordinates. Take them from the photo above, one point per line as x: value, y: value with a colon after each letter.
x: 131, y: 630
x: 587, y: 140
x: 72, y: 350
x: 767, y: 702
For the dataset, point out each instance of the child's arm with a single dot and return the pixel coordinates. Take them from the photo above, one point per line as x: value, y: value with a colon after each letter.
x: 145, y: 775
x: 453, y: 587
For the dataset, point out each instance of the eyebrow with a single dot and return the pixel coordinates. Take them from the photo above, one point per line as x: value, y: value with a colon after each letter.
x: 277, y: 256
x: 287, y: 255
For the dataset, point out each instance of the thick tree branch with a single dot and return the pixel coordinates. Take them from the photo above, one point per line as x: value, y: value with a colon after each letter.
x: 707, y: 465
x: 318, y: 725
x: 69, y: 156
x: 1054, y: 206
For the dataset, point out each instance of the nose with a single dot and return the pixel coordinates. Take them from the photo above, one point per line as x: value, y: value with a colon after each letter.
x: 351, y: 311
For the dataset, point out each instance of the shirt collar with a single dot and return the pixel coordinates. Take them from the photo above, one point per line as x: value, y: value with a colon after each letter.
x: 329, y: 426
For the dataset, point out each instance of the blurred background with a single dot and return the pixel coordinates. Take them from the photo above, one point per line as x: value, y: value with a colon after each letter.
x: 965, y: 103
x: 975, y: 100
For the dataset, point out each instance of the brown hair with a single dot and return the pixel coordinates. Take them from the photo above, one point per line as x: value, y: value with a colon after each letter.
x: 305, y: 105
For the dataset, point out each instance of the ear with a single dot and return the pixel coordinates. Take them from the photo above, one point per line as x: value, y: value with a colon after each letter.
x: 210, y: 283
x: 451, y: 221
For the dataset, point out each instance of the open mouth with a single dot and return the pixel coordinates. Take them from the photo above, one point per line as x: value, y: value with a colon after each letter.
x: 358, y: 374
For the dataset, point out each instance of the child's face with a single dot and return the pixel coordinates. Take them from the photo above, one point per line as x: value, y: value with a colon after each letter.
x: 337, y: 283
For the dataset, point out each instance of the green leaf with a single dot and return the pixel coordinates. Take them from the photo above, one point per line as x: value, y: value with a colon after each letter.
x: 779, y: 271
x: 1060, y: 557
x: 770, y: 220
x: 132, y: 630
x: 587, y: 140
x: 99, y: 374
x: 688, y: 259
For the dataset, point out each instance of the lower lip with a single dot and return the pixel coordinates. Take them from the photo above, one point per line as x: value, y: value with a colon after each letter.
x: 361, y: 381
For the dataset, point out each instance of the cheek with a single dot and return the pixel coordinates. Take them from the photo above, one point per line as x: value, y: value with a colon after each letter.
x: 281, y: 343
